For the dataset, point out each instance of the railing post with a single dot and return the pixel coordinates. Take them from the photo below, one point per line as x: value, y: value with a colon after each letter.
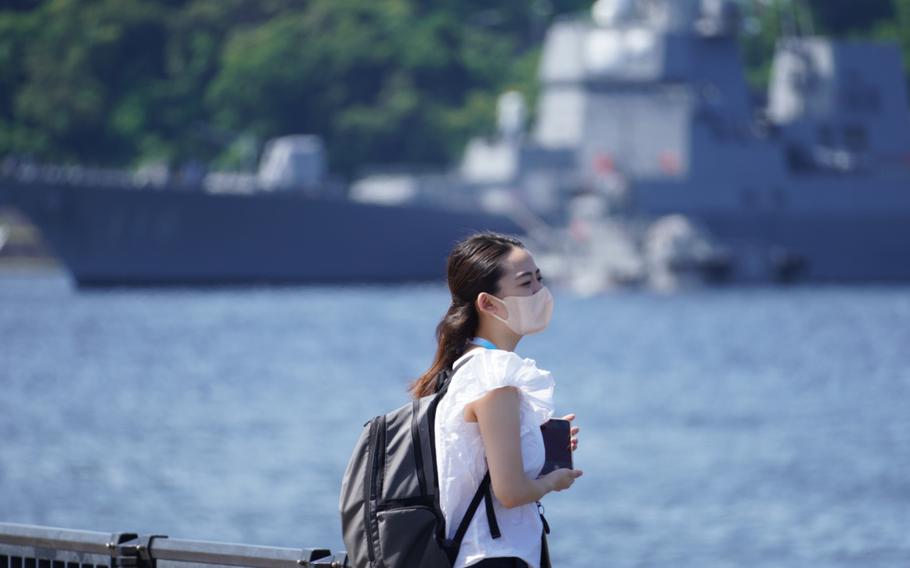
x: 337, y: 560
x: 137, y: 552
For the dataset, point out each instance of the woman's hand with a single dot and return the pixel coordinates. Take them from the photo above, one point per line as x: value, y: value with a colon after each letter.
x: 561, y: 479
x: 498, y: 416
x: 573, y: 432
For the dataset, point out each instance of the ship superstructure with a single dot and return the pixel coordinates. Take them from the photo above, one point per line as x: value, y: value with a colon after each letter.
x: 646, y: 104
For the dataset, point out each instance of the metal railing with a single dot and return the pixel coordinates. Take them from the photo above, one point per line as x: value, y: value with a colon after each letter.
x: 27, y: 546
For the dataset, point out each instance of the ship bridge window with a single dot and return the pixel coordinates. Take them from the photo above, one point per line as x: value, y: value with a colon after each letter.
x: 858, y: 96
x: 855, y: 138
x: 862, y: 100
x: 799, y: 159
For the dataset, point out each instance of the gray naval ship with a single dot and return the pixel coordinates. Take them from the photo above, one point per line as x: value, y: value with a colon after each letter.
x: 290, y: 223
x: 648, y: 158
x: 645, y: 121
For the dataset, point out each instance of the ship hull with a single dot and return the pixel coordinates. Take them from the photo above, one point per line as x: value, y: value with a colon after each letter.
x: 165, y: 237
x: 837, y: 229
x: 160, y: 237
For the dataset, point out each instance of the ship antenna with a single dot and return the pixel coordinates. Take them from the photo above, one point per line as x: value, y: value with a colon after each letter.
x: 786, y: 22
x: 803, y: 14
x: 795, y: 18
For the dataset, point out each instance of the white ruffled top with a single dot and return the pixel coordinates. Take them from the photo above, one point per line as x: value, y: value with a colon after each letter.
x: 460, y: 456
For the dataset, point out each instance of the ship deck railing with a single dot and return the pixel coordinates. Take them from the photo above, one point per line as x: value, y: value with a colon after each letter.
x: 29, y: 546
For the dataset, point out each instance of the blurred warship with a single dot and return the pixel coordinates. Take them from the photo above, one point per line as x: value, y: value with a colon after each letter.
x: 289, y: 223
x: 650, y: 155
x: 649, y: 164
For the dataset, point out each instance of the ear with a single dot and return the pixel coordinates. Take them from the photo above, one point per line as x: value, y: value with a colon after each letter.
x: 486, y: 305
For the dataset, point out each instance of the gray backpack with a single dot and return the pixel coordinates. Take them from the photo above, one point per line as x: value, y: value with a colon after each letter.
x: 390, y: 514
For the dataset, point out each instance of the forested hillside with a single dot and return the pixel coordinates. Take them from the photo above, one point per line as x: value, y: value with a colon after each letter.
x: 125, y: 82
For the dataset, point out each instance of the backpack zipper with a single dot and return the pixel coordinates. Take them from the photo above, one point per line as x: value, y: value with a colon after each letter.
x: 379, y: 461
x: 415, y: 443
x: 371, y: 490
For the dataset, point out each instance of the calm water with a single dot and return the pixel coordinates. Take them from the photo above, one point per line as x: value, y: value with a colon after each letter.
x: 751, y: 427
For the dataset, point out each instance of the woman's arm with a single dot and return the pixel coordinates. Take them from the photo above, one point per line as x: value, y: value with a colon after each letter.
x: 497, y: 414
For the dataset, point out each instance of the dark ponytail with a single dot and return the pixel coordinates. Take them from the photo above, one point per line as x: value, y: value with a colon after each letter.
x: 474, y: 266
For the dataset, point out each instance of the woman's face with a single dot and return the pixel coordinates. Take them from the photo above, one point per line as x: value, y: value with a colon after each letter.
x: 520, y: 275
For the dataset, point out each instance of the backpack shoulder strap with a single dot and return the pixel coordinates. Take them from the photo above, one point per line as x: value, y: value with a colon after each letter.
x: 443, y: 377
x: 483, y: 492
x: 488, y: 502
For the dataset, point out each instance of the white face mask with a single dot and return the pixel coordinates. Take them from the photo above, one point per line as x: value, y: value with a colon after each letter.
x: 527, y: 314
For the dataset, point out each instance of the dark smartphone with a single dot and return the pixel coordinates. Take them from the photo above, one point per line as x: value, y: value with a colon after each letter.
x: 557, y: 441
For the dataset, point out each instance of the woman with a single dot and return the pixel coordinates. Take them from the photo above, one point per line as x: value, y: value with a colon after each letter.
x: 491, y: 415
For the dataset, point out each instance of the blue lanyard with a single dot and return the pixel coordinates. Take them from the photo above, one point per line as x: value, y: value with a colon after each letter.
x: 486, y: 344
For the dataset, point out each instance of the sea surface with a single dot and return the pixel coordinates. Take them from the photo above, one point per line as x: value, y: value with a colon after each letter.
x: 747, y: 427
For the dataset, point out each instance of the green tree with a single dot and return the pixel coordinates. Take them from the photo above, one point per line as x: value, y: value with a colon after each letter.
x: 83, y: 75
x: 118, y: 82
x: 897, y: 29
x: 15, y: 28
x: 384, y: 81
